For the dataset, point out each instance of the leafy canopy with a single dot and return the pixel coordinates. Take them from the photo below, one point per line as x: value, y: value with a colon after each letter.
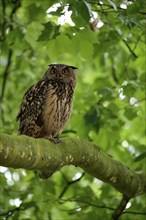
x: 105, y: 40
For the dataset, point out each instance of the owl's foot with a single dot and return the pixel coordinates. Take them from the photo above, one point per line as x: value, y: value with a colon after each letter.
x: 55, y: 140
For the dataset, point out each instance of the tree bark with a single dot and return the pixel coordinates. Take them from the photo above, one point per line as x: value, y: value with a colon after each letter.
x: 46, y: 157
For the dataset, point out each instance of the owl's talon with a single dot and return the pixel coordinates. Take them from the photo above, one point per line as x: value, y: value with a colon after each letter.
x: 55, y: 140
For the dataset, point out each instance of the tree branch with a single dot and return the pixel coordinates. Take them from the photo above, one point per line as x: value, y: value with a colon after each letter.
x: 43, y: 155
x: 119, y: 210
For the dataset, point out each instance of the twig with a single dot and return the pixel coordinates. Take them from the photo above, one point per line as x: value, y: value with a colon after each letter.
x: 5, y: 74
x: 10, y: 212
x: 131, y: 51
x: 134, y: 48
x: 10, y: 53
x: 3, y: 20
x: 87, y: 203
x: 119, y: 210
x: 69, y: 183
x: 105, y: 5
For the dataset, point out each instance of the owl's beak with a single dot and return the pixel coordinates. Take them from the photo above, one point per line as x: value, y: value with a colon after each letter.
x: 58, y: 75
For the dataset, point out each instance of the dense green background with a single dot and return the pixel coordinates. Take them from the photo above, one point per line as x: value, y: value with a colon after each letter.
x: 108, y: 107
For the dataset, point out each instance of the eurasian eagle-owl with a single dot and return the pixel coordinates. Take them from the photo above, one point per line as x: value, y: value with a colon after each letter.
x: 46, y: 106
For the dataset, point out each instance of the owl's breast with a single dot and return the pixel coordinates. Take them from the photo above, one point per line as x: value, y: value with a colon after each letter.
x: 57, y: 109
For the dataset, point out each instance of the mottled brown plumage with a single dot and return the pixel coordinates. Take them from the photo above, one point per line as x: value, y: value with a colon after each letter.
x: 46, y: 106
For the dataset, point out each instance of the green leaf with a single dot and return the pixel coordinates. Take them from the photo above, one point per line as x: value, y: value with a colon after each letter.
x: 92, y: 118
x: 113, y: 5
x: 140, y: 157
x: 106, y: 93
x: 129, y: 89
x: 81, y: 13
x: 130, y: 113
x: 2, y: 179
x: 51, y: 31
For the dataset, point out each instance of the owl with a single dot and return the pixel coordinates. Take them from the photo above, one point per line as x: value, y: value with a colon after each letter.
x: 46, y: 106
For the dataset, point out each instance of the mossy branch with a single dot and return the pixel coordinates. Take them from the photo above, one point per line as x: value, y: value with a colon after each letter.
x: 46, y: 157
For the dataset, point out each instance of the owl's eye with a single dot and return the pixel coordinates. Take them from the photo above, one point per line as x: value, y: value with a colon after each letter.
x: 64, y: 71
x: 53, y: 71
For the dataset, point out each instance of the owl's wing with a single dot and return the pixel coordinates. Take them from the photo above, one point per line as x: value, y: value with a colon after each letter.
x: 24, y: 102
x: 31, y: 108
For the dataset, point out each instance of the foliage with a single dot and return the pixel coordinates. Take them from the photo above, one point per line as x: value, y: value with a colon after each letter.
x: 108, y: 103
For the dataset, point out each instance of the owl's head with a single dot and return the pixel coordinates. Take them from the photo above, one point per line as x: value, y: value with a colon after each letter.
x: 61, y: 72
